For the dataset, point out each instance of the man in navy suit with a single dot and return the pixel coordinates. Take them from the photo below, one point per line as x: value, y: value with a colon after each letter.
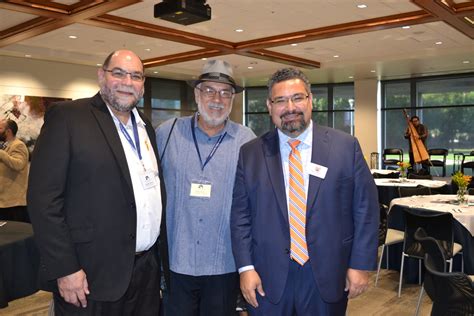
x: 315, y: 273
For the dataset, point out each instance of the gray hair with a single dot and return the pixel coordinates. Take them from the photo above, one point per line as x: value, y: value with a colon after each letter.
x: 287, y: 74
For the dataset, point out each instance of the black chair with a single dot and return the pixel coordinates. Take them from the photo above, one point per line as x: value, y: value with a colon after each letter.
x: 388, y: 158
x: 420, y: 176
x: 387, y: 237
x: 451, y: 293
x: 438, y: 225
x: 411, y: 191
x: 438, y: 159
x: 468, y: 162
x: 391, y: 175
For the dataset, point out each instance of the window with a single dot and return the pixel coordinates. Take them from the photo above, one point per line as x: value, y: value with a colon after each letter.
x: 444, y: 104
x: 333, y: 105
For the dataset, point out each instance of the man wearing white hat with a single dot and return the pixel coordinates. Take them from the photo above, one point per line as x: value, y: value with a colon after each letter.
x: 199, y: 158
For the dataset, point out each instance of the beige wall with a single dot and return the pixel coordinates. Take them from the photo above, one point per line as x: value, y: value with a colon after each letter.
x: 365, y: 115
x: 24, y: 76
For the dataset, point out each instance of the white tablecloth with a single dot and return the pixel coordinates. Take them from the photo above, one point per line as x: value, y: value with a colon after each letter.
x: 409, y: 183
x: 441, y: 203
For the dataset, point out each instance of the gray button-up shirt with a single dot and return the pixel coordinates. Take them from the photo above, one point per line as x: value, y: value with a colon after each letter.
x: 198, y: 228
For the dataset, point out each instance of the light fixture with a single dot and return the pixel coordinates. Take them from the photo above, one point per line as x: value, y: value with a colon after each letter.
x: 155, y: 72
x: 465, y: 61
x: 99, y: 65
x: 72, y: 36
x: 294, y: 44
x: 249, y: 67
x: 406, y: 27
x: 239, y: 30
x: 362, y: 6
x: 336, y: 56
x: 351, y: 77
x: 27, y: 56
x: 148, y: 49
x: 439, y: 43
x: 372, y: 70
x: 204, y: 58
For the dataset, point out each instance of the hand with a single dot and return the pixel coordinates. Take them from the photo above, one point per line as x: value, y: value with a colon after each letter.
x: 74, y: 288
x: 357, y: 282
x: 249, y: 282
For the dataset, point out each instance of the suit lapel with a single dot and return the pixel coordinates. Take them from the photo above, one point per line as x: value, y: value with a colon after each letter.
x: 271, y: 151
x: 106, y: 124
x: 320, y: 156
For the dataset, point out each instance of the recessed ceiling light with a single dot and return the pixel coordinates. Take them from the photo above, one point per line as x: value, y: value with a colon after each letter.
x: 155, y: 72
x: 351, y: 77
x: 294, y: 44
x: 439, y: 43
x: 99, y: 65
x: 249, y: 67
x: 204, y: 58
x: 72, y: 36
x: 148, y: 49
x: 362, y: 6
x: 27, y: 56
x: 406, y: 27
x: 239, y: 30
x: 336, y: 56
x: 372, y: 70
x: 465, y: 61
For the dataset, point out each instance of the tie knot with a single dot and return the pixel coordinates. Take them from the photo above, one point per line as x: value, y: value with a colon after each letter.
x: 294, y: 143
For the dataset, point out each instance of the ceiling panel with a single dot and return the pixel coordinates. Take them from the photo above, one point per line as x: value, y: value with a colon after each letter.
x: 11, y: 18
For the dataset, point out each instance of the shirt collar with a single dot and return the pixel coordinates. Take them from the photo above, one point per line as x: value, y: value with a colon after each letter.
x: 138, y: 118
x: 306, y: 137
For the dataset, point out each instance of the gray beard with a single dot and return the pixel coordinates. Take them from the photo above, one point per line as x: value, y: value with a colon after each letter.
x: 212, y: 121
x: 115, y: 103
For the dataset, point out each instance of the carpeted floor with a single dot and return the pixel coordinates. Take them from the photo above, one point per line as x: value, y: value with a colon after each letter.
x: 381, y: 300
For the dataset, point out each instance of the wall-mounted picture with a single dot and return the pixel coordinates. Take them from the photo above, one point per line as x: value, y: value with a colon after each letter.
x: 28, y: 112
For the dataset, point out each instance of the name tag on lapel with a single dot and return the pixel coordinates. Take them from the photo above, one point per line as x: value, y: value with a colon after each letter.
x: 317, y: 170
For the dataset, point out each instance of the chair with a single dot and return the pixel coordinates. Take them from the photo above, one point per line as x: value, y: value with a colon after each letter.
x: 467, y: 161
x: 438, y: 225
x: 451, y: 293
x: 439, y: 155
x: 392, y: 175
x: 420, y: 176
x: 410, y: 191
x: 389, y: 160
x: 387, y: 237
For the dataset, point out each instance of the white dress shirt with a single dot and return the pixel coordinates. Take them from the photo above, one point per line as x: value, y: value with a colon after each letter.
x: 148, y: 201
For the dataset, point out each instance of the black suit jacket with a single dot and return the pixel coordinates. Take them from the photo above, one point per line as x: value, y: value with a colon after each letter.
x: 81, y: 201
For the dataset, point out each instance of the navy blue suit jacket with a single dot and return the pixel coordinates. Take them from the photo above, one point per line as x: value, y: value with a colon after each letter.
x: 342, y: 213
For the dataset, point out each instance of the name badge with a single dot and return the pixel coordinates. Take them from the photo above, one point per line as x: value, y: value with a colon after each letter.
x: 200, y: 189
x: 148, y: 180
x: 317, y: 170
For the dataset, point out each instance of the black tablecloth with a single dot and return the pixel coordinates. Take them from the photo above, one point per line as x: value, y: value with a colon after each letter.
x: 461, y: 236
x: 19, y: 262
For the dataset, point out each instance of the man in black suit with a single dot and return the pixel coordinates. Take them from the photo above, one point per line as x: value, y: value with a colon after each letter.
x: 97, y: 200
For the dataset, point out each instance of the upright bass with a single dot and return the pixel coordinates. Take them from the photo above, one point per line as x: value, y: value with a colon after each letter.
x: 419, y: 150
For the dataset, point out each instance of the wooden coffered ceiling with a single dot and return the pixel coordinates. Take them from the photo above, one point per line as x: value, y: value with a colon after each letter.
x: 327, y: 38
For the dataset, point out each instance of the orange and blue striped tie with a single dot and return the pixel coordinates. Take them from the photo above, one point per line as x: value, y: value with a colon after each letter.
x: 297, y: 206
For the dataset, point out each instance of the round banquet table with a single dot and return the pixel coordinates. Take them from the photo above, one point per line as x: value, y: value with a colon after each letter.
x: 19, y: 262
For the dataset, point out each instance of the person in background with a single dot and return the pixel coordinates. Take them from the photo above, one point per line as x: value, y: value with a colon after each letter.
x: 305, y: 215
x: 13, y: 173
x: 199, y: 156
x: 422, y: 135
x: 96, y: 199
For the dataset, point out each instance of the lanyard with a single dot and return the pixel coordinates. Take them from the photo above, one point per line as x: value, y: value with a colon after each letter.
x: 136, y: 145
x: 214, y: 149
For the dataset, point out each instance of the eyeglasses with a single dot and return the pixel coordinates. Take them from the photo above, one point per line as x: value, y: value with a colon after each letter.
x: 122, y: 74
x: 211, y: 93
x: 297, y: 98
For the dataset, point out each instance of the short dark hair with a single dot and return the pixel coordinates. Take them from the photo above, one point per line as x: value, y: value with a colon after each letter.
x: 11, y: 125
x: 414, y: 117
x: 288, y: 74
x: 107, y: 60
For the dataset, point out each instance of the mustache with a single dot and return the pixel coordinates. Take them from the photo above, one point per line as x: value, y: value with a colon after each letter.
x: 216, y: 106
x: 126, y: 89
x: 285, y: 114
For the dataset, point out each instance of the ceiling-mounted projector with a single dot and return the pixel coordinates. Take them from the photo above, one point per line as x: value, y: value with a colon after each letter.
x: 183, y: 12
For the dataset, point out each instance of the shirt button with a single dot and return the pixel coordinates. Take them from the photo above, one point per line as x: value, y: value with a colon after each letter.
x: 197, y: 242
x: 132, y: 236
x: 200, y: 220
